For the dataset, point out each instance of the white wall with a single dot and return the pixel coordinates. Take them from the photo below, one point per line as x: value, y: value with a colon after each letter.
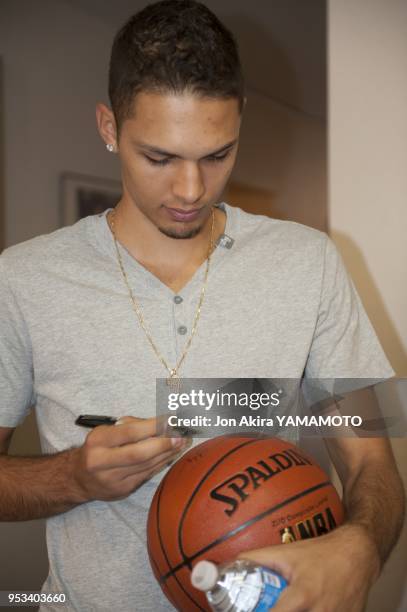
x: 283, y: 155
x: 368, y: 192
x: 55, y: 64
x: 368, y: 158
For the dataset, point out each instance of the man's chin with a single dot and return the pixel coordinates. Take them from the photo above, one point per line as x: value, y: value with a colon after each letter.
x: 180, y: 233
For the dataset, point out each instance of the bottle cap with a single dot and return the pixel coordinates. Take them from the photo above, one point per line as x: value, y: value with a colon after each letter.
x: 204, y: 575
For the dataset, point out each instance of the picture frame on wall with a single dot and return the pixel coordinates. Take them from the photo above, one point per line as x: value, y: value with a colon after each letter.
x: 82, y: 195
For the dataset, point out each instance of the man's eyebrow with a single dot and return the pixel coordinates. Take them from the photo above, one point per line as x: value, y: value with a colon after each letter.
x: 159, y: 151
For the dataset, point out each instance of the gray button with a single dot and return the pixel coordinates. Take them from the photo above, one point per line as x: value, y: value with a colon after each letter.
x: 178, y: 299
x: 182, y: 330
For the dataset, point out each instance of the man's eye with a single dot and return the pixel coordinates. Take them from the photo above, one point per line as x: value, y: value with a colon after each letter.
x: 157, y: 162
x: 166, y: 160
x: 217, y: 158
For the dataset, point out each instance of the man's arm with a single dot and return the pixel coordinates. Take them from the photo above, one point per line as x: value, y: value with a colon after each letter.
x: 112, y: 463
x: 37, y: 487
x: 373, y: 491
x: 335, y: 571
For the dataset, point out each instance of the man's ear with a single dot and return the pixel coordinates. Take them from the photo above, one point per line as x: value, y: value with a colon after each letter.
x: 106, y: 125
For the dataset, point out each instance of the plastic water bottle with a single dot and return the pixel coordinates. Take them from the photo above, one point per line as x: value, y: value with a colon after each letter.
x: 241, y: 586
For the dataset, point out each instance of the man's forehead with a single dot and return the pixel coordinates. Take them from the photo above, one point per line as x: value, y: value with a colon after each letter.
x: 171, y: 122
x: 153, y: 106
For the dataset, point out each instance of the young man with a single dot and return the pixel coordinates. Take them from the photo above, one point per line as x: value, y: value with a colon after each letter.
x: 92, y: 314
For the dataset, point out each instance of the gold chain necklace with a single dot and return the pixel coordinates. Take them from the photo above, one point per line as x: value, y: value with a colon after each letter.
x: 173, y: 380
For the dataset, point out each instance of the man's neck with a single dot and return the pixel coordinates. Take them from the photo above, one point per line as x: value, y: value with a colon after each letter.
x: 173, y: 261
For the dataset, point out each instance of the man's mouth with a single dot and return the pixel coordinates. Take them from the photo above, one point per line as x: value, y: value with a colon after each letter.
x: 178, y: 214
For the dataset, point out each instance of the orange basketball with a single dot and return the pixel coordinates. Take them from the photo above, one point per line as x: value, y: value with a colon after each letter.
x: 231, y: 494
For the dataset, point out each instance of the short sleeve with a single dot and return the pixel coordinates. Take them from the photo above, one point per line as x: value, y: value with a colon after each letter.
x: 344, y: 343
x: 16, y: 367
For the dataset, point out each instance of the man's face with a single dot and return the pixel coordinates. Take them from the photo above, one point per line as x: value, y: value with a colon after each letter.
x: 177, y: 152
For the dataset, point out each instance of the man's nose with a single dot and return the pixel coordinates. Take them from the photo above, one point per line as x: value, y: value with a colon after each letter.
x: 188, y: 185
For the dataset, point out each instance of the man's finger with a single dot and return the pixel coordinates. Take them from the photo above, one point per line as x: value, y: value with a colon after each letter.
x: 121, y: 473
x: 126, y: 431
x: 135, y: 454
x: 157, y: 464
x: 293, y: 599
x: 277, y: 558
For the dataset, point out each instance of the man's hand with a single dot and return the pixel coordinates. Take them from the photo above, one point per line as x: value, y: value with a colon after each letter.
x: 116, y: 460
x: 331, y: 573
x: 334, y: 572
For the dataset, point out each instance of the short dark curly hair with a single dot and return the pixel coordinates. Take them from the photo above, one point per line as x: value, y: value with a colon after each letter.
x: 173, y: 46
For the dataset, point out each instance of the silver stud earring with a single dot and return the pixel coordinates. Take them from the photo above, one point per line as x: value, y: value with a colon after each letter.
x: 110, y: 147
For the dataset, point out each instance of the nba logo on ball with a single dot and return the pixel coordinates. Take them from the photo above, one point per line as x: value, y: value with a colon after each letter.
x: 232, y: 494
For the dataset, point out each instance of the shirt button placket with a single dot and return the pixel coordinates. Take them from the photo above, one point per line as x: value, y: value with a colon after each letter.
x: 180, y: 326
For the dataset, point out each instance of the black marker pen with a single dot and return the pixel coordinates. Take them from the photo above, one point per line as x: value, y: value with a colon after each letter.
x: 93, y: 420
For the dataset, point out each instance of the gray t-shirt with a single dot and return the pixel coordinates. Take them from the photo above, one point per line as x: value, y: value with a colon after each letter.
x: 278, y: 304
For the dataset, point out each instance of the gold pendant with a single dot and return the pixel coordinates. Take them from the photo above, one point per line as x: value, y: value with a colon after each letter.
x: 174, y: 381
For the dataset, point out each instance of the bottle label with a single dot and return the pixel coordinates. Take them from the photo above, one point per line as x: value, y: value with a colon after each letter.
x: 273, y: 587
